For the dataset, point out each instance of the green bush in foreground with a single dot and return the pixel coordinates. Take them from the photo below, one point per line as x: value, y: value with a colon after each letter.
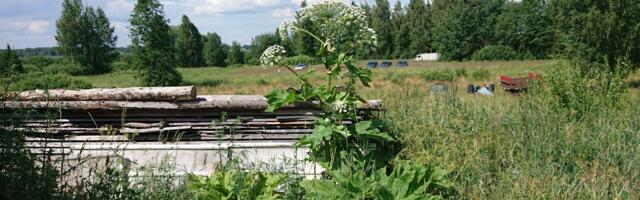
x: 497, y: 52
x: 43, y: 81
x: 406, y: 181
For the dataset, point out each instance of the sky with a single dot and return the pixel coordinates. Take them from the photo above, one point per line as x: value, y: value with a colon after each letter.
x: 32, y: 23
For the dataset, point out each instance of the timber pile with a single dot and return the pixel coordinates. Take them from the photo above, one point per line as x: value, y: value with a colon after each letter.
x: 156, y: 114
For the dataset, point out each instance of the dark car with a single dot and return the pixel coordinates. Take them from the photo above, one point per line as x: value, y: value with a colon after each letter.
x: 372, y: 64
x: 402, y: 63
x: 385, y: 64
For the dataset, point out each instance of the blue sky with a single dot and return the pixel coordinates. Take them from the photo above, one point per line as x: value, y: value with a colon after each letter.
x: 31, y: 23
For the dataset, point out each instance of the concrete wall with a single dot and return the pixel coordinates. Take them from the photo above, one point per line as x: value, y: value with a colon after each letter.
x: 199, y: 158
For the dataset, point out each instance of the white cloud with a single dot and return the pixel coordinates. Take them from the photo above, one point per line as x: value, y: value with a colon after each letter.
x: 37, y: 26
x: 119, y: 9
x: 283, y: 13
x: 216, y: 7
x: 26, y: 26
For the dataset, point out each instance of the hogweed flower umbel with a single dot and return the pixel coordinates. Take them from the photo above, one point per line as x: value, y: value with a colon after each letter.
x: 273, y: 55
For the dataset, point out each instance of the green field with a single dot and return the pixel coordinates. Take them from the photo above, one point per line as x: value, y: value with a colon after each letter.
x: 260, y: 80
x: 538, y: 145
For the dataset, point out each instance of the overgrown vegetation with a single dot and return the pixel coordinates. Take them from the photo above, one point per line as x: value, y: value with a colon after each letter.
x: 574, y: 135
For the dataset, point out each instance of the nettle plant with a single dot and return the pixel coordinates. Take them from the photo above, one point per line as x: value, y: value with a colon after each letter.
x: 339, y: 134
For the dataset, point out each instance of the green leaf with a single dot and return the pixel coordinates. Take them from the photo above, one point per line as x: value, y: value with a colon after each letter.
x: 320, y: 133
x: 307, y: 92
x: 279, y: 98
x: 367, y: 129
x: 364, y: 75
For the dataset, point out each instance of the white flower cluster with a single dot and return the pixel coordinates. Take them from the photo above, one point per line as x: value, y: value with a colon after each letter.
x: 339, y: 22
x: 272, y: 55
x: 283, y: 29
x: 339, y: 106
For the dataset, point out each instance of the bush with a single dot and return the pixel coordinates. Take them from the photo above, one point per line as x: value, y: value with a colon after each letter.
x: 65, y: 67
x: 495, y: 52
x: 439, y: 75
x: 38, y: 62
x: 44, y: 81
x: 236, y: 184
x: 300, y: 59
x: 406, y: 181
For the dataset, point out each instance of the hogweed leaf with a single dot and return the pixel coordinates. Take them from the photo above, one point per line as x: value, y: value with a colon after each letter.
x: 279, y: 98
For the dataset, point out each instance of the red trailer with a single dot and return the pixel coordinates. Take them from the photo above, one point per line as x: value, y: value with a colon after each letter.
x: 517, y: 84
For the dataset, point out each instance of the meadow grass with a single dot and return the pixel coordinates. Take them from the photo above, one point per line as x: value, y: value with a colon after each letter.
x: 526, y: 146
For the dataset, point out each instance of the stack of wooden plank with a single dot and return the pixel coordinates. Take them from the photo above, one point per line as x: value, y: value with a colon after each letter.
x: 156, y: 114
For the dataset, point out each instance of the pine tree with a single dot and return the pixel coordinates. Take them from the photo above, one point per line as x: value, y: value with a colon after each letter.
x: 419, y: 20
x: 10, y: 63
x: 400, y: 32
x: 527, y: 28
x: 600, y: 32
x: 236, y: 55
x: 189, y: 44
x: 381, y: 23
x: 68, y: 29
x: 460, y: 27
x: 152, y: 45
x: 214, y: 51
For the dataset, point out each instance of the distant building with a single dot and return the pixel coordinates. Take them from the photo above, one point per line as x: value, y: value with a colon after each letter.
x: 427, y: 57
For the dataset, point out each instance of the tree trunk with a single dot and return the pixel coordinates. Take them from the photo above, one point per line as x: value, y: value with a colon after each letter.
x: 115, y: 94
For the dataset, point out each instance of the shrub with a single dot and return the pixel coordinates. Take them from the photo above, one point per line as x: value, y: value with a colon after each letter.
x: 439, y: 75
x: 495, y: 52
x: 236, y: 184
x: 38, y: 62
x: 44, y: 81
x: 65, y: 67
x: 300, y: 59
x: 406, y: 181
x: 481, y: 74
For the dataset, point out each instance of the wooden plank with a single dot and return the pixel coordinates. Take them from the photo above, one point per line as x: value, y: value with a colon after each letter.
x: 110, y: 94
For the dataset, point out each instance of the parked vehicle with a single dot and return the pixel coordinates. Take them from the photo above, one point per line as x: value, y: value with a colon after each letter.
x: 385, y: 64
x: 402, y: 63
x: 372, y: 64
x: 427, y: 56
x: 301, y: 66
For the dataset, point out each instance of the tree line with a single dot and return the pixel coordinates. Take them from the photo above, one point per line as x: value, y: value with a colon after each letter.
x: 606, y: 32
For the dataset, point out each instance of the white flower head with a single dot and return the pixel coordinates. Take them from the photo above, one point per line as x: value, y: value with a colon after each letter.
x: 339, y: 106
x: 342, y: 23
x: 284, y: 29
x: 273, y: 55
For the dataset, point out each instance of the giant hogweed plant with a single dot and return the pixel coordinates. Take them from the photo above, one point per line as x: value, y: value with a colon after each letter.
x: 338, y: 133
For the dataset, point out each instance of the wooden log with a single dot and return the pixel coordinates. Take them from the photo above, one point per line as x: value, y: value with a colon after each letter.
x: 110, y: 94
x: 221, y: 103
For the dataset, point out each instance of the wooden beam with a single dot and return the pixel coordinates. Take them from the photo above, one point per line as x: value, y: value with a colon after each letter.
x: 216, y: 102
x: 109, y: 94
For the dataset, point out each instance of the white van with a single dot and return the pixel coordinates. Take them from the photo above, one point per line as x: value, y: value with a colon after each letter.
x: 427, y: 57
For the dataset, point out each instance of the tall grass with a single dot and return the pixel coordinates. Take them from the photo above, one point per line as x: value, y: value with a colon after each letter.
x: 529, y: 146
